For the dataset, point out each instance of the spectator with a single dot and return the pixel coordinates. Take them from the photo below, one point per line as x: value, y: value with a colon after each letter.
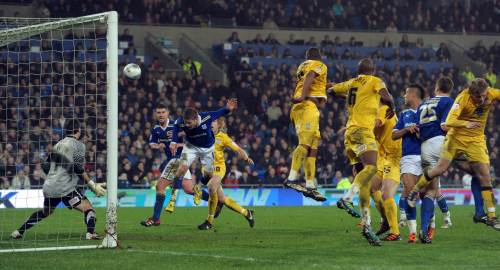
x: 269, y: 24
x: 312, y: 42
x: 327, y: 41
x: 404, y: 43
x: 391, y: 28
x: 291, y: 40
x: 257, y: 40
x: 271, y: 40
x: 468, y: 75
x: 126, y: 36
x: 443, y: 54
x: 491, y: 77
x: 386, y: 43
x: 338, y: 8
x: 337, y: 178
x: 192, y: 67
x: 424, y: 56
x: 234, y: 38
x: 20, y: 181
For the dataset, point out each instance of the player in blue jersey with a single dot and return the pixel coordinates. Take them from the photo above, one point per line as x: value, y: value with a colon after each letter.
x: 161, y: 137
x: 411, y: 168
x: 199, y: 143
x: 432, y: 115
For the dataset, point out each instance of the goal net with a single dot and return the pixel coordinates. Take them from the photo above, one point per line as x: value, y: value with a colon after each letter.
x: 52, y: 71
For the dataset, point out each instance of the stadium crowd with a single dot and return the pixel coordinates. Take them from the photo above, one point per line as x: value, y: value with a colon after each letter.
x: 376, y: 15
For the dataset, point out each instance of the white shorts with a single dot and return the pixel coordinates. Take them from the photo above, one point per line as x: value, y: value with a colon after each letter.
x: 431, y: 151
x: 171, y: 168
x: 411, y: 164
x: 206, y: 156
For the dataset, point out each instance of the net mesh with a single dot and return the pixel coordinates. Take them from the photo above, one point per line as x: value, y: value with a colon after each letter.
x: 51, y: 70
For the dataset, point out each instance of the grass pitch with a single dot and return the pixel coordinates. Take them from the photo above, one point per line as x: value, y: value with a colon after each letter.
x: 283, y: 238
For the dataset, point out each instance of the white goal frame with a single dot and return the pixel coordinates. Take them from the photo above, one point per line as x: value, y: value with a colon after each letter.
x: 111, y: 19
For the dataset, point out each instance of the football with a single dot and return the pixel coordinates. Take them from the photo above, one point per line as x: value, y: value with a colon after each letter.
x: 132, y: 71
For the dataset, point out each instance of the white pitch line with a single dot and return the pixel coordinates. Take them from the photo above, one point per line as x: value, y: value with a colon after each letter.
x: 46, y: 249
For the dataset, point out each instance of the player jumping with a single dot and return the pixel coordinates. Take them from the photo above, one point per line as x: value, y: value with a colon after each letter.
x: 364, y: 94
x: 161, y: 136
x: 63, y: 167
x: 308, y: 97
x: 467, y: 121
x: 199, y: 144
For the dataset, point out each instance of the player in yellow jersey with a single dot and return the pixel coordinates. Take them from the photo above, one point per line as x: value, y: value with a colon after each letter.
x: 364, y: 94
x: 466, y: 122
x: 386, y: 182
x: 223, y: 141
x: 309, y: 96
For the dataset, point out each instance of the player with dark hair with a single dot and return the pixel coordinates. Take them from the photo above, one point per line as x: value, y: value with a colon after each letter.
x: 309, y: 96
x: 364, y: 95
x: 467, y: 121
x: 411, y: 168
x: 199, y: 144
x: 63, y: 167
x: 431, y: 116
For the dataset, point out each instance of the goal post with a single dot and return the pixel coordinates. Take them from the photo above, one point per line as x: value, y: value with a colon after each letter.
x: 52, y: 69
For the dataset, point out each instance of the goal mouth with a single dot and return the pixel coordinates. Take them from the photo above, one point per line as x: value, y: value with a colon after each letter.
x: 53, y: 70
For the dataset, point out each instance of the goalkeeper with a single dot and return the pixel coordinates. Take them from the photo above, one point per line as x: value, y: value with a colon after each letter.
x: 63, y: 167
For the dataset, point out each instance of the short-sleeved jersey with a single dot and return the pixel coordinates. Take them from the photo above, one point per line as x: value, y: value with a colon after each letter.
x: 60, y: 181
x: 388, y: 146
x: 431, y: 115
x: 223, y: 141
x: 202, y: 135
x: 363, y: 99
x: 163, y: 135
x: 318, y: 87
x: 464, y: 109
x: 411, y: 143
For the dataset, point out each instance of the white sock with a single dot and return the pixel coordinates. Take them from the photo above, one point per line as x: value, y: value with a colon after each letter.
x: 365, y: 216
x: 353, y: 191
x: 433, y: 222
x: 310, y: 184
x: 412, y: 225
x: 293, y: 175
x: 402, y: 215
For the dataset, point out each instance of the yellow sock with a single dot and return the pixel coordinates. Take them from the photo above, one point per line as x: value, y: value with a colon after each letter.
x: 422, y: 183
x: 235, y: 206
x: 212, y: 205
x: 299, y: 154
x: 364, y: 196
x: 364, y: 176
x: 310, y: 171
x: 391, y: 211
x: 377, y: 198
x: 488, y: 201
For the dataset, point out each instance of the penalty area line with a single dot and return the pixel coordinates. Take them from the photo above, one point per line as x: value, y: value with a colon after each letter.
x: 47, y: 249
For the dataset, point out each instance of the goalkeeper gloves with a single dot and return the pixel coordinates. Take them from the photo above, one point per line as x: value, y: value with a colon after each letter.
x: 98, y: 188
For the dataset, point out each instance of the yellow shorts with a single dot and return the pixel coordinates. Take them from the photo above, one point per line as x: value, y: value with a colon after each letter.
x: 473, y: 151
x: 220, y: 170
x: 391, y: 169
x: 357, y: 141
x: 305, y: 117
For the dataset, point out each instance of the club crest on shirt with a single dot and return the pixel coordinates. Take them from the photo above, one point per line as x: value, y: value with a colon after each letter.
x: 204, y: 126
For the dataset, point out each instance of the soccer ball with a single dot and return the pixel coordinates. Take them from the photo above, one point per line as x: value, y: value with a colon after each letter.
x: 132, y: 71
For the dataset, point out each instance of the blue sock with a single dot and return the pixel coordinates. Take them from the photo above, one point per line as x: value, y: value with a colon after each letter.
x: 475, y: 187
x: 426, y: 213
x: 403, y: 203
x: 204, y: 195
x: 160, y: 199
x: 441, y: 201
x: 411, y: 212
